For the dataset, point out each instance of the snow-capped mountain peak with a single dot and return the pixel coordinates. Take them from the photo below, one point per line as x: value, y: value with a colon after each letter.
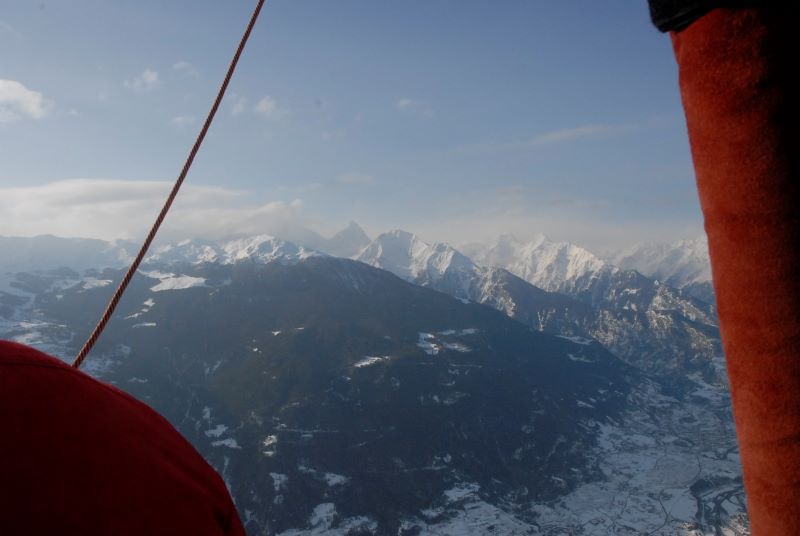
x: 264, y: 248
x: 259, y: 248
x: 409, y: 257
x: 679, y: 264
x: 349, y: 242
x: 192, y: 251
x: 553, y: 266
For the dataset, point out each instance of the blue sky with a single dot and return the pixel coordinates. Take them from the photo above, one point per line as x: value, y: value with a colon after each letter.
x: 458, y: 120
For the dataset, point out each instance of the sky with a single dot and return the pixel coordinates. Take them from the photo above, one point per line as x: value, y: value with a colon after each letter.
x: 456, y: 120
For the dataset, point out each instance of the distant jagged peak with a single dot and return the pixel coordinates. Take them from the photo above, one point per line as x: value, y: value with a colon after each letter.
x: 347, y: 242
x: 398, y: 234
x: 352, y: 228
x: 261, y: 248
x: 540, y: 241
x: 405, y: 254
x: 544, y: 263
x: 265, y: 248
x: 193, y: 251
x: 697, y: 246
x: 397, y: 251
x: 397, y: 240
x: 679, y: 263
x: 352, y: 234
x: 415, y: 245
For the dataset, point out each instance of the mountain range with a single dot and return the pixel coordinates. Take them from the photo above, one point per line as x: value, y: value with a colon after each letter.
x: 563, y: 289
x: 414, y: 390
x: 323, y: 380
x: 552, y: 266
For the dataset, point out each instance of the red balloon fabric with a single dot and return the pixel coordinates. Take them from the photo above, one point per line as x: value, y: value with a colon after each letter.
x: 78, y: 456
x: 740, y: 91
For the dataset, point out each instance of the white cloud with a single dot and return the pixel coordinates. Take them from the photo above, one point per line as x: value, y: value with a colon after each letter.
x: 186, y: 68
x: 413, y: 106
x: 17, y: 102
x: 148, y: 80
x: 239, y: 104
x: 183, y: 120
x: 108, y: 209
x: 267, y: 107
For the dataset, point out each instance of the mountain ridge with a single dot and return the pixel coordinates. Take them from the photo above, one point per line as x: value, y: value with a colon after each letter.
x: 635, y: 317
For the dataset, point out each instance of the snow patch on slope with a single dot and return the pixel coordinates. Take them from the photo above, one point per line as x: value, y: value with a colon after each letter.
x: 370, y: 360
x: 170, y: 281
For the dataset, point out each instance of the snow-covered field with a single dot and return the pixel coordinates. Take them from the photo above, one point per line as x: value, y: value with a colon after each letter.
x: 670, y: 467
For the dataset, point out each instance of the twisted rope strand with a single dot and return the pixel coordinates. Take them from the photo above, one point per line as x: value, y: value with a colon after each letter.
x: 98, y: 330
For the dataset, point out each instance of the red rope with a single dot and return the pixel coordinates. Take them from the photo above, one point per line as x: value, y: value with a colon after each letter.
x: 98, y: 330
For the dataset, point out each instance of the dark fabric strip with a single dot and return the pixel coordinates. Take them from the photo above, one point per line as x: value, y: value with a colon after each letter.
x: 676, y: 15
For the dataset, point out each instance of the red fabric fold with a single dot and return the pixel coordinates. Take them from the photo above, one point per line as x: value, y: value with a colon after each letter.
x: 81, y: 457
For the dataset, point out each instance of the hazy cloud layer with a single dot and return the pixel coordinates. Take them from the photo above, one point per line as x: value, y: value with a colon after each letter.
x: 563, y: 135
x: 584, y: 221
x: 108, y: 209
